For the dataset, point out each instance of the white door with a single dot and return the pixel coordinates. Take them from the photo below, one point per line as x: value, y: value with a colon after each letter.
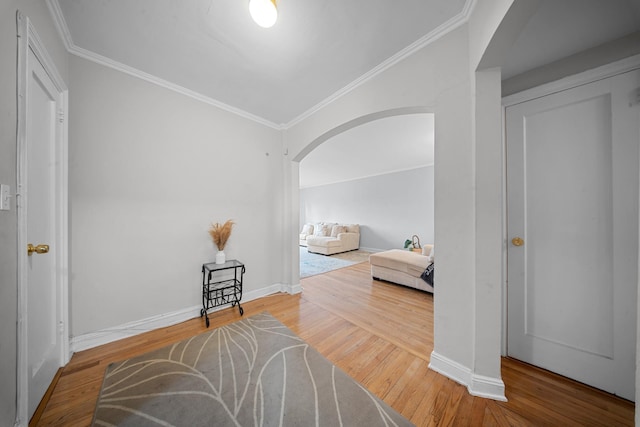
x: 43, y: 317
x: 572, y: 191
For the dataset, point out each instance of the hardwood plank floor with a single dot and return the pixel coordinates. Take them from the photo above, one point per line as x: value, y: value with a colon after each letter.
x: 381, y: 335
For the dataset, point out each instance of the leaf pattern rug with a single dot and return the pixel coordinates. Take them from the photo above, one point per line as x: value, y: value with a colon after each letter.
x: 254, y: 372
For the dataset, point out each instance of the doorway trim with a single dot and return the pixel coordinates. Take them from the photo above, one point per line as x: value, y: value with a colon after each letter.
x: 28, y: 39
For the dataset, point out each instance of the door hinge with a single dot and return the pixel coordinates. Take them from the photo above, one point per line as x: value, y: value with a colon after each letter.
x: 61, y: 116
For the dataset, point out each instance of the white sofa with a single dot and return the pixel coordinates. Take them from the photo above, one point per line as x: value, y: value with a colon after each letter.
x: 330, y: 238
x: 307, y: 230
x: 403, y: 267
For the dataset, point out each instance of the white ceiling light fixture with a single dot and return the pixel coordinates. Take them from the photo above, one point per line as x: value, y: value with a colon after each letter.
x: 264, y: 12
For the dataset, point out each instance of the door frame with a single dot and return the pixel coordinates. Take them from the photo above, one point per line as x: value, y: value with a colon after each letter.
x: 28, y: 40
x: 603, y: 72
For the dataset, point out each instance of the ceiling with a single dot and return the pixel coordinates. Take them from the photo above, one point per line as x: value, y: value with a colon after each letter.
x: 383, y: 146
x: 212, y: 50
x: 561, y: 28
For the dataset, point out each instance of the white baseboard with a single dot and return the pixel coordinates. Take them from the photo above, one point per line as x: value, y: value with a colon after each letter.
x: 450, y: 369
x: 291, y: 289
x: 477, y: 385
x: 105, y: 336
x: 488, y: 387
x: 374, y: 250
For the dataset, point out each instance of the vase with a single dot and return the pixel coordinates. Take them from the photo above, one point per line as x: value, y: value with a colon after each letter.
x: 221, y: 258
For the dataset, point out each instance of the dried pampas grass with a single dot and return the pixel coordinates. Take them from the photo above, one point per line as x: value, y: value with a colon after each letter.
x: 220, y: 233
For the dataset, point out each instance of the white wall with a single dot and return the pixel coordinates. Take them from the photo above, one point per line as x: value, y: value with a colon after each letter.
x: 492, y: 29
x: 390, y: 208
x: 37, y: 12
x: 149, y: 170
x: 437, y: 78
x: 441, y: 78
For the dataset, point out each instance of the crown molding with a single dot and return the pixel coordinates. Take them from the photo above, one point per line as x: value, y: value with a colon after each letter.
x: 60, y: 23
x: 427, y: 39
x: 599, y: 73
x: 63, y: 29
x: 107, y: 62
x: 450, y: 25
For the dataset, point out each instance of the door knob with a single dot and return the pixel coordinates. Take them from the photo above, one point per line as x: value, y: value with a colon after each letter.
x: 40, y: 249
x: 517, y: 241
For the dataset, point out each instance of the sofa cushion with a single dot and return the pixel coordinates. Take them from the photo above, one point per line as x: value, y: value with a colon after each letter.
x: 327, y: 242
x: 337, y: 229
x: 408, y: 262
x: 322, y: 230
x: 353, y: 228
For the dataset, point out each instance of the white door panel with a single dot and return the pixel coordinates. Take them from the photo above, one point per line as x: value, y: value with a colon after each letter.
x: 572, y: 179
x: 44, y: 341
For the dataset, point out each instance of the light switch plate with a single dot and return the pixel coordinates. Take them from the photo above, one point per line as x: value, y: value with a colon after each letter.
x: 5, y: 198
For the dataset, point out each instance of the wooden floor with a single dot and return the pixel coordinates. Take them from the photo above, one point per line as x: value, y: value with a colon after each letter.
x: 381, y: 335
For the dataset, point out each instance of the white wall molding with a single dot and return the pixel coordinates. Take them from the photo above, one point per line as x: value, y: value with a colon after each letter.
x: 477, y: 385
x: 450, y: 369
x: 589, y: 76
x: 487, y: 387
x: 107, y: 62
x: 60, y: 23
x: 104, y: 336
x: 373, y: 250
x: 450, y: 25
x: 291, y: 289
x: 126, y: 330
x: 65, y: 34
x: 425, y: 40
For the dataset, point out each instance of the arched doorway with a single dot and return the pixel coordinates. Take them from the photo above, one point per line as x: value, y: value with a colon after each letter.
x: 308, y: 148
x: 379, y: 175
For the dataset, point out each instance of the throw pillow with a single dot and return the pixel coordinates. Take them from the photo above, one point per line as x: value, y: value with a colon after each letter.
x: 317, y: 229
x: 337, y: 229
x: 326, y: 230
x: 307, y: 229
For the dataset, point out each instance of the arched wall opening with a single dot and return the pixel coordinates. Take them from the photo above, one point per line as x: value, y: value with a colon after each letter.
x: 328, y: 135
x: 308, y: 148
x: 317, y: 142
x: 378, y: 174
x: 439, y: 79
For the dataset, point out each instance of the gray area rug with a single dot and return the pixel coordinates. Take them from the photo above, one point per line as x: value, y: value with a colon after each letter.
x: 254, y: 372
x: 312, y: 264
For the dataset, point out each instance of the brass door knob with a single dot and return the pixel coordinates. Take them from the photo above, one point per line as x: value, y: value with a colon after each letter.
x: 40, y: 249
x: 517, y: 241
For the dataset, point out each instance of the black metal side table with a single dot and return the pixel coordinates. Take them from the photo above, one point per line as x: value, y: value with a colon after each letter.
x: 218, y: 290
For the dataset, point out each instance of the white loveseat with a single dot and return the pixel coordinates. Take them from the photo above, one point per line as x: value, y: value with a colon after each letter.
x: 330, y: 238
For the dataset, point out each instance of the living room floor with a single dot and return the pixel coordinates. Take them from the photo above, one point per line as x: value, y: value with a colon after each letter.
x: 380, y: 334
x: 312, y: 263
